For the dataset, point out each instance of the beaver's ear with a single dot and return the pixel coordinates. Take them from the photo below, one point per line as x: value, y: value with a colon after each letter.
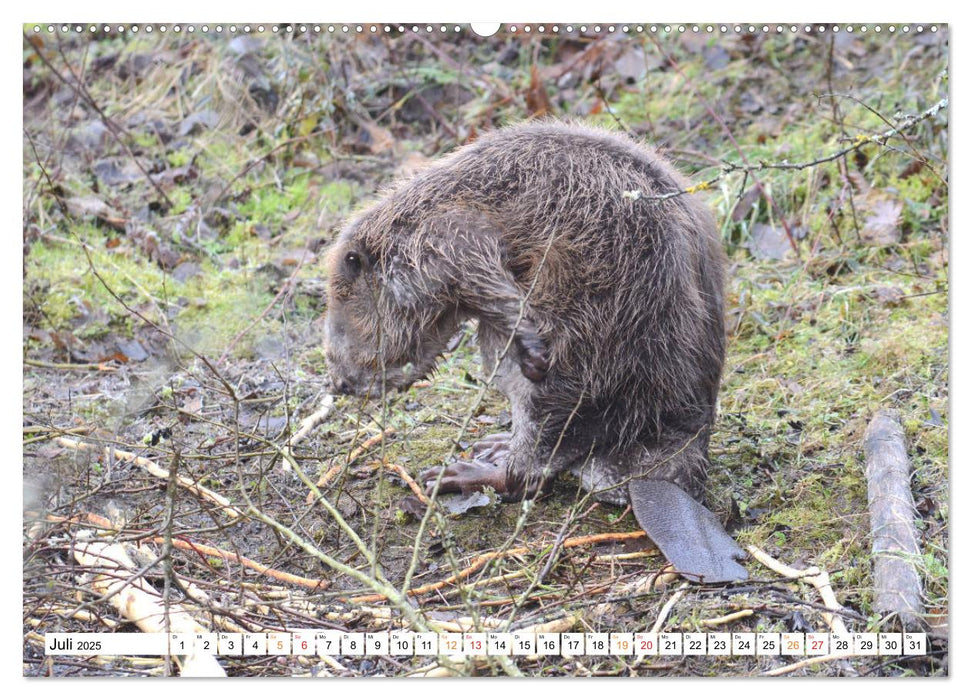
x: 534, y: 359
x: 398, y: 283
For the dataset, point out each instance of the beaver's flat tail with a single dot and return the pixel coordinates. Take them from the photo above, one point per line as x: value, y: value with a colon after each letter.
x: 686, y: 532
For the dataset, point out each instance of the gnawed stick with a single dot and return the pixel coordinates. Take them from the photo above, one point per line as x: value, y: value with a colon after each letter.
x: 668, y: 607
x: 137, y: 600
x: 209, y: 551
x: 813, y: 575
x: 483, y: 559
x: 188, y: 545
x: 725, y: 619
x: 306, y: 425
x: 155, y: 470
x: 412, y: 484
x: 896, y: 583
x: 329, y: 475
x: 783, y: 670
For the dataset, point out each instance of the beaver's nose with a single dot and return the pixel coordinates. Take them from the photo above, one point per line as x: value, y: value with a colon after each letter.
x: 342, y: 386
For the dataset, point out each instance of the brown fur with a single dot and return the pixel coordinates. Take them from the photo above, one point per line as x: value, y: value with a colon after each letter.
x: 614, y: 306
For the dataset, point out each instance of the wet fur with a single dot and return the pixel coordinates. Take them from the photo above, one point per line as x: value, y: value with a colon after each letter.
x: 615, y: 306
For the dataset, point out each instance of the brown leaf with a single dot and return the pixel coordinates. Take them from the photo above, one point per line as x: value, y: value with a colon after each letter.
x: 119, y: 357
x: 888, y: 296
x: 882, y: 225
x: 94, y: 208
x: 378, y: 139
x: 914, y: 167
x: 769, y: 243
x: 193, y: 404
x: 748, y: 201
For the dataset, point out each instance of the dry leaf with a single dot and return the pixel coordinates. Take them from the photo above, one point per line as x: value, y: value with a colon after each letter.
x: 769, y: 243
x: 882, y: 225
x: 379, y: 139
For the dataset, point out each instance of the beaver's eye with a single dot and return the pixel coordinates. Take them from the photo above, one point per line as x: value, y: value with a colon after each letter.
x: 353, y: 262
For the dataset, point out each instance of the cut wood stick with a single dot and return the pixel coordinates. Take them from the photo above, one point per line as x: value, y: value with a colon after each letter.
x: 325, y: 479
x: 783, y: 670
x: 813, y: 575
x: 368, y: 444
x: 668, y: 606
x: 560, y: 624
x: 307, y: 425
x: 329, y: 475
x: 138, y: 601
x: 725, y: 619
x: 101, y: 366
x: 896, y: 582
x: 189, y: 546
x: 155, y: 470
x: 197, y: 547
x: 484, y: 559
x: 80, y: 430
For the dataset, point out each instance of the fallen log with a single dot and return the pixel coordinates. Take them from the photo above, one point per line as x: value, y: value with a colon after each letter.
x: 896, y: 581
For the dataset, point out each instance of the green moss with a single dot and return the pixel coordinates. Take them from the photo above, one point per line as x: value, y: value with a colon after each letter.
x: 179, y: 158
x: 181, y: 198
x: 223, y: 306
x: 71, y: 289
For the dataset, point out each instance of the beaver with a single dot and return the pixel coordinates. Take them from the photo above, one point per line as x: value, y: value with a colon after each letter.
x: 597, y: 284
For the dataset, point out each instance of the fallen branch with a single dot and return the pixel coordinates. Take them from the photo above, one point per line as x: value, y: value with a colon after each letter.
x: 329, y: 475
x: 190, y: 546
x: 307, y: 425
x: 484, y: 559
x: 896, y: 582
x: 138, y: 601
x: 155, y: 470
x: 813, y: 575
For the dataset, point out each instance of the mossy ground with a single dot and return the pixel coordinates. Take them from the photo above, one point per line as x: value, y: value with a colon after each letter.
x: 223, y: 261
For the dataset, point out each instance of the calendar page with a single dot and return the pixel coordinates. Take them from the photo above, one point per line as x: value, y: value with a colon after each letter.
x: 520, y: 349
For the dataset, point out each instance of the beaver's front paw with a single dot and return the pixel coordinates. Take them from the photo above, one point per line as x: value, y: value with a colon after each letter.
x: 492, y: 448
x: 465, y: 477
